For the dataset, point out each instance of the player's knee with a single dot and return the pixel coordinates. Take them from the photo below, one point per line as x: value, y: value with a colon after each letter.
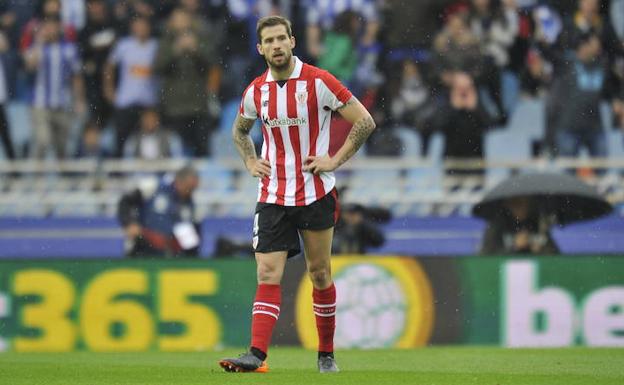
x: 268, y: 275
x: 320, y: 276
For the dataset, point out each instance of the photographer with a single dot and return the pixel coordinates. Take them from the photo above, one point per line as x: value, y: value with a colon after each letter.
x: 162, y: 224
x: 357, y: 229
x: 519, y: 229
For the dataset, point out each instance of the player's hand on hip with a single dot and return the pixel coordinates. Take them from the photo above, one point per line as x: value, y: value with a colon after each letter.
x: 259, y: 168
x: 319, y: 164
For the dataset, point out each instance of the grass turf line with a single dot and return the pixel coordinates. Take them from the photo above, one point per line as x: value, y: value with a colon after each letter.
x: 429, y: 366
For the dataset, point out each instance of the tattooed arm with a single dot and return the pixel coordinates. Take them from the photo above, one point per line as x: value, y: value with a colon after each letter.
x: 363, y: 124
x: 246, y: 149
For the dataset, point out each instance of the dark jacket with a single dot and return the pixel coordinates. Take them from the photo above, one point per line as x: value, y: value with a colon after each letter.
x: 463, y: 130
x: 184, y: 75
x: 357, y: 237
x: 576, y: 96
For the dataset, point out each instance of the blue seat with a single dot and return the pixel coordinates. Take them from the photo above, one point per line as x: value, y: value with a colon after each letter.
x: 214, y: 177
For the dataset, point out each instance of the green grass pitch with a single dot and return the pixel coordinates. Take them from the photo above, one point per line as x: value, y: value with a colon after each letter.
x: 428, y: 366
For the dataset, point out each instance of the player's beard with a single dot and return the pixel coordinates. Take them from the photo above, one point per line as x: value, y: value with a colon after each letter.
x: 283, y: 65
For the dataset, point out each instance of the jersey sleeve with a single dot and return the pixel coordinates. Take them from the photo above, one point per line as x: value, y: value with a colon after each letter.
x: 333, y: 93
x: 247, y: 106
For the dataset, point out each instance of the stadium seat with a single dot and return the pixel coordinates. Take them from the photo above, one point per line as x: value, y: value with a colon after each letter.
x: 215, y: 178
x: 410, y: 140
x: 526, y: 125
x: 18, y: 117
x: 423, y: 179
x: 436, y: 147
x: 228, y: 114
x: 222, y: 147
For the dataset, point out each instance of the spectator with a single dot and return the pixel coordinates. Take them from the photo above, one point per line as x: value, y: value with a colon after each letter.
x: 56, y: 67
x: 536, y: 77
x: 411, y: 104
x: 73, y: 13
x: 575, y: 101
x: 13, y: 17
x: 518, y: 15
x: 133, y: 56
x: 407, y: 34
x: 617, y: 15
x: 464, y: 121
x: 518, y: 230
x: 496, y: 28
x: 5, y: 131
x: 96, y: 41
x: 186, y: 56
x: 356, y: 231
x: 152, y: 141
x: 547, y: 25
x: 125, y: 11
x: 90, y: 145
x: 588, y: 20
x: 49, y: 9
x: 193, y: 7
x: 237, y: 53
x: 163, y: 223
x: 409, y: 27
x: 456, y: 49
x: 321, y: 16
x: 339, y: 55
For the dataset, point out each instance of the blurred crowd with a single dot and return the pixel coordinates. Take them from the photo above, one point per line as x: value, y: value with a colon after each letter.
x: 156, y: 73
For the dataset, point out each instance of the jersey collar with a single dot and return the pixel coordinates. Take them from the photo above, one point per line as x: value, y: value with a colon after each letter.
x: 294, y: 75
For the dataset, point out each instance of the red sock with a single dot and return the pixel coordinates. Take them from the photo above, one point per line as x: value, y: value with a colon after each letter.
x: 266, y: 310
x: 325, y: 312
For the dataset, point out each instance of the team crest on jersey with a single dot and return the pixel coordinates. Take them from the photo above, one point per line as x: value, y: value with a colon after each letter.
x: 302, y: 97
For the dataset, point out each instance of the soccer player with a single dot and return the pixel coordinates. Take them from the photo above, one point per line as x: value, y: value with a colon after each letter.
x: 296, y: 194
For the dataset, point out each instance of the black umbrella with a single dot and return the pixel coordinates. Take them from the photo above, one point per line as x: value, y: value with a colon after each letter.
x: 563, y: 196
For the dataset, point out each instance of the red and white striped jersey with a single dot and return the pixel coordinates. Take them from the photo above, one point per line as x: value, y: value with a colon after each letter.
x: 295, y: 124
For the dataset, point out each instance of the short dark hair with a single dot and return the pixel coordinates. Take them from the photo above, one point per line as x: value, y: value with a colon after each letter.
x: 272, y: 21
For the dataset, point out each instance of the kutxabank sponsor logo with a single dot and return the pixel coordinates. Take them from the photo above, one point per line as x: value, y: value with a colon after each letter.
x: 277, y: 122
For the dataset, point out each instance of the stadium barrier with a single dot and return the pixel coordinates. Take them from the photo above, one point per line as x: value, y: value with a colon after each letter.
x: 185, y: 305
x: 406, y: 185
